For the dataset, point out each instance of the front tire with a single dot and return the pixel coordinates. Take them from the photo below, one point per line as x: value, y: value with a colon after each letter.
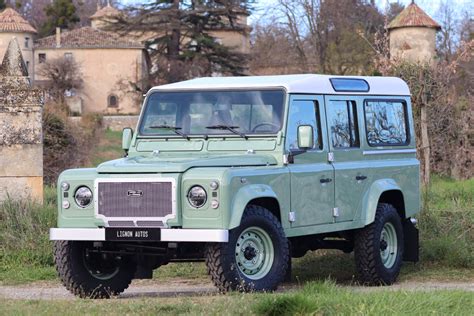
x: 256, y: 256
x: 89, y: 274
x: 379, y: 248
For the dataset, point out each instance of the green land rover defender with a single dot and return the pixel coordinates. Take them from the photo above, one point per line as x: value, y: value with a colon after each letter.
x: 246, y: 173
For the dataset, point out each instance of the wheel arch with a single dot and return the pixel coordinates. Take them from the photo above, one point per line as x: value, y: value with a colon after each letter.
x: 382, y: 191
x: 257, y: 194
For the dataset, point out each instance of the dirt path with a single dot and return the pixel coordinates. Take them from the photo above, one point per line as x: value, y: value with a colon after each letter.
x: 172, y: 288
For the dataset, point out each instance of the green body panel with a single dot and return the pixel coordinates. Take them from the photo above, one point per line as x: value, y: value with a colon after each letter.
x: 255, y: 168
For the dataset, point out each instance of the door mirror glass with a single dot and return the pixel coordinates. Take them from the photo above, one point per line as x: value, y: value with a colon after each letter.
x: 305, y: 137
x: 127, y: 135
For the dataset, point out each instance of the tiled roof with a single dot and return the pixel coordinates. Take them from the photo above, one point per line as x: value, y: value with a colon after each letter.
x: 12, y: 21
x: 413, y: 15
x: 88, y: 37
x: 107, y: 11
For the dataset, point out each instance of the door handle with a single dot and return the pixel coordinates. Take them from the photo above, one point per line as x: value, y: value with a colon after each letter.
x: 360, y: 178
x: 327, y: 180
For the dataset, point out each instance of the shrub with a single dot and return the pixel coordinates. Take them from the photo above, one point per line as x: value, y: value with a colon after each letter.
x: 66, y: 145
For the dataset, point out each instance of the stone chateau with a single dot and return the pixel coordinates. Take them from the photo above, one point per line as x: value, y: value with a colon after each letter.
x: 108, y: 62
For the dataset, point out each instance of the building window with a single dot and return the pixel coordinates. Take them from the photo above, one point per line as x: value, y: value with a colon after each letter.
x: 41, y: 58
x: 112, y: 101
x: 68, y: 56
x: 27, y: 42
x: 28, y: 66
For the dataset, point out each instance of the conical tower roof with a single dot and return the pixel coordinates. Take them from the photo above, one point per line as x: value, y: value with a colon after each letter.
x: 412, y: 16
x: 12, y: 22
x: 106, y: 12
x: 13, y: 68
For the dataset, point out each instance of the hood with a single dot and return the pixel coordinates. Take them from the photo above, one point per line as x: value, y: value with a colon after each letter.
x: 143, y: 164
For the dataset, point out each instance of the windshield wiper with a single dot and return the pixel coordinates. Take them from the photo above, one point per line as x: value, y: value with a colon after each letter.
x: 172, y: 128
x: 228, y: 128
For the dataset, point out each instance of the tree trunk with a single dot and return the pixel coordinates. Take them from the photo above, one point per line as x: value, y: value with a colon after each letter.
x: 425, y: 146
x: 173, y: 44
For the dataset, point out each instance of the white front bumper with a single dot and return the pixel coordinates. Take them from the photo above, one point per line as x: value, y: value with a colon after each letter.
x: 172, y: 235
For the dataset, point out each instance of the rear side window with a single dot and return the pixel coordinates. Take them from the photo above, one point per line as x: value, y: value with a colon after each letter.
x: 386, y: 123
x: 342, y: 116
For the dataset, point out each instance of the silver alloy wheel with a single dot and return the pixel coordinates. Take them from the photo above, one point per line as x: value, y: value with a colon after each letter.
x: 254, y: 253
x: 388, y: 245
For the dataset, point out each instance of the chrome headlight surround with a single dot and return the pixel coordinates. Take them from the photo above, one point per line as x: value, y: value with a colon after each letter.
x: 83, y: 196
x: 197, y: 196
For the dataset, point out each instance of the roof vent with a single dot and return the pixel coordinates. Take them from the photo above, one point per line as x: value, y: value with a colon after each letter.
x: 349, y: 85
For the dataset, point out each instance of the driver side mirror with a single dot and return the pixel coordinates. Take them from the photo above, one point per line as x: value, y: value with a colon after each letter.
x: 305, y: 137
x: 127, y: 135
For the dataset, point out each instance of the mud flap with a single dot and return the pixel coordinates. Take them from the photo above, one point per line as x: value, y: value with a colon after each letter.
x: 412, y: 245
x: 143, y: 272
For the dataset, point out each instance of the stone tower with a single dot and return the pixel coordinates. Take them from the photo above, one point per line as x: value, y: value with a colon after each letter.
x: 105, y: 16
x: 12, y: 24
x: 21, y: 148
x: 413, y: 35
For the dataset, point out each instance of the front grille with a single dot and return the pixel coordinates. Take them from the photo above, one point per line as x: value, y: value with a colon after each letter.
x: 135, y: 199
x: 121, y: 224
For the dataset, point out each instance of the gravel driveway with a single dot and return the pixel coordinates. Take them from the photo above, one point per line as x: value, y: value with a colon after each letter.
x: 156, y: 288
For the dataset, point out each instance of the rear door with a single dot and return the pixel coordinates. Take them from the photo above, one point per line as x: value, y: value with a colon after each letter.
x: 312, y: 184
x: 351, y: 171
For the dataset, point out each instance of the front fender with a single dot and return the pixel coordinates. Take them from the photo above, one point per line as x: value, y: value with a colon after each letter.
x: 244, y: 196
x: 372, y: 196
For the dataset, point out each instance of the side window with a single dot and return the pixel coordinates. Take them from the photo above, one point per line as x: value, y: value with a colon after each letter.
x: 342, y: 117
x: 386, y: 123
x: 303, y: 112
x: 41, y: 58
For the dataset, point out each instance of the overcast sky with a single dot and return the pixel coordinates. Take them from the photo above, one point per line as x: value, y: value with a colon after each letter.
x: 429, y: 6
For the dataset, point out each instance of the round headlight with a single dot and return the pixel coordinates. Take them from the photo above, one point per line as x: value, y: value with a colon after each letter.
x: 197, y: 196
x: 83, y: 196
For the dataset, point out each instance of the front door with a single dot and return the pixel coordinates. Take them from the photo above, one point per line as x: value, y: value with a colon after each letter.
x: 312, y: 177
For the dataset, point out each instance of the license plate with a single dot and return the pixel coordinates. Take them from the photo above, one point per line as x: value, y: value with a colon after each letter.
x: 132, y: 234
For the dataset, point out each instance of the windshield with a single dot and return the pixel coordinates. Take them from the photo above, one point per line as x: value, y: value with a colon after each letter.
x: 213, y: 113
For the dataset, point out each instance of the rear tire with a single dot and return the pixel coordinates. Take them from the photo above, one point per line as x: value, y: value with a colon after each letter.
x: 91, y: 275
x: 256, y: 256
x: 379, y: 248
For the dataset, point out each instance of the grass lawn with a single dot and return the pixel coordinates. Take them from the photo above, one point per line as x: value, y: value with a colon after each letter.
x: 314, y: 298
x: 108, y: 148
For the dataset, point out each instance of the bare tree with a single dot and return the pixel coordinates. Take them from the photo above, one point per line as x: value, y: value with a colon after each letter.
x: 60, y: 76
x: 324, y: 34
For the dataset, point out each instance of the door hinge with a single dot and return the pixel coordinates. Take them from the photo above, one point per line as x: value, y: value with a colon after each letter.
x: 291, y: 217
x: 335, y: 212
x: 331, y: 157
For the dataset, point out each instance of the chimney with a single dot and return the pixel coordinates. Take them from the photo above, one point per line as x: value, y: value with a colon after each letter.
x: 58, y: 37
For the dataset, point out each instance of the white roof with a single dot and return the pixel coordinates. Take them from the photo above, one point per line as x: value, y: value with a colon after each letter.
x: 308, y: 83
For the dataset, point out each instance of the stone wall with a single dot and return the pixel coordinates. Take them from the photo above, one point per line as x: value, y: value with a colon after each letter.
x: 114, y: 122
x: 21, y: 148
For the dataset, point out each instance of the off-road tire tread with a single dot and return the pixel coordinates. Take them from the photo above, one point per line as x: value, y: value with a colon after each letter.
x: 62, y: 252
x: 216, y: 255
x: 366, y: 256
